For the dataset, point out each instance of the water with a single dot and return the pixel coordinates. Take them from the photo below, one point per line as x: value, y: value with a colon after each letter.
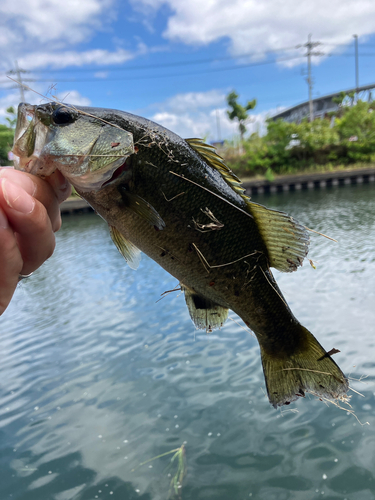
x: 96, y: 376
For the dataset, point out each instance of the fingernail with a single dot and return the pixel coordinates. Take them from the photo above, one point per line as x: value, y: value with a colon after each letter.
x: 3, y: 220
x: 17, y: 198
x: 20, y: 179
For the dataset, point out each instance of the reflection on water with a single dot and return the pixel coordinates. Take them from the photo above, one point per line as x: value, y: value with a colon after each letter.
x: 96, y: 376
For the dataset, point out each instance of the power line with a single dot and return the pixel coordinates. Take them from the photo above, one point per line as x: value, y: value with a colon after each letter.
x: 170, y: 64
x: 186, y: 63
x: 192, y: 61
x: 147, y: 77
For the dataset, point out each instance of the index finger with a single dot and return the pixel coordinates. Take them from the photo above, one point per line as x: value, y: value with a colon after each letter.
x: 50, y: 192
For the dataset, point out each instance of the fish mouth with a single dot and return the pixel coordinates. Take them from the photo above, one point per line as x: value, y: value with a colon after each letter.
x: 23, y: 122
x: 29, y: 139
x: 124, y: 167
x: 87, y: 154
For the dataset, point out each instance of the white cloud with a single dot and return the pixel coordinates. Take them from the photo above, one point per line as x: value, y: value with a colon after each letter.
x: 195, y: 100
x: 203, y: 114
x: 72, y: 58
x: 73, y: 97
x: 10, y: 99
x: 52, y: 20
x: 29, y: 26
x: 259, y: 26
x: 101, y: 75
x: 13, y: 99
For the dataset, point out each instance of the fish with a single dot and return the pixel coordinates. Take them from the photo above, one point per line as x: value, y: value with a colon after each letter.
x: 178, y: 202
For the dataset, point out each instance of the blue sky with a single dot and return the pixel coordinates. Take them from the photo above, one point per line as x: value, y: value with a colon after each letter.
x: 174, y: 61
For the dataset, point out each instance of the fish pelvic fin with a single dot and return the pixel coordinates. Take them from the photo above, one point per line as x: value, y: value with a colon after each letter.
x: 205, y: 314
x: 309, y: 369
x: 142, y: 208
x: 130, y: 252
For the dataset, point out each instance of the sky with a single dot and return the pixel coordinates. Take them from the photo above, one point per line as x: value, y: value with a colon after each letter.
x: 175, y: 61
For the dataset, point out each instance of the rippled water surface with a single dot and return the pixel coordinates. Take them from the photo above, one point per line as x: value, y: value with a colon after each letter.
x: 96, y: 376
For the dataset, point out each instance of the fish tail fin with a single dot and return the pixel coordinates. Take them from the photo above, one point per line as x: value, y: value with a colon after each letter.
x: 308, y: 368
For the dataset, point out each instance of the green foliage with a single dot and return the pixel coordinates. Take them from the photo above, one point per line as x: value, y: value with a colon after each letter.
x: 7, y: 135
x: 290, y: 147
x: 12, y: 119
x: 339, y: 99
x: 269, y: 175
x: 179, y: 461
x: 6, y: 142
x: 358, y: 121
x: 239, y: 112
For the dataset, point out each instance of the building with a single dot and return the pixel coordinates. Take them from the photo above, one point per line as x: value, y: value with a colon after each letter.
x: 322, y: 105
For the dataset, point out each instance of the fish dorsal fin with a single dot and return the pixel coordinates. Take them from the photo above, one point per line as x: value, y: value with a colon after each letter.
x: 205, y: 314
x: 209, y: 154
x: 130, y: 252
x: 142, y: 208
x: 287, y: 241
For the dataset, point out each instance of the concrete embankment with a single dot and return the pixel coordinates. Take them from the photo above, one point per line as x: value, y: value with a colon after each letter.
x: 75, y: 205
x: 309, y: 181
x: 279, y: 185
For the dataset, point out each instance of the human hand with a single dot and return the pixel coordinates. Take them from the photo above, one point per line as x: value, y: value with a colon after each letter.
x: 29, y: 217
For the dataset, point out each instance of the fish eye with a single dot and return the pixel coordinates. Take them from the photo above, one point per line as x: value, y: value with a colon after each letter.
x: 62, y: 116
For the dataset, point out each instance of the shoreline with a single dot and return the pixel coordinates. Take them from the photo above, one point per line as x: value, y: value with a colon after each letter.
x: 311, y: 180
x: 295, y: 182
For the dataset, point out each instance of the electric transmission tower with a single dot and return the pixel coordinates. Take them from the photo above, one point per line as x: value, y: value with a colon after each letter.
x: 18, y: 72
x: 310, y: 52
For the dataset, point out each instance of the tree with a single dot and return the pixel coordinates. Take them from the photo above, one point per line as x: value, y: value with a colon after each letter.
x: 7, y: 135
x: 358, y: 121
x: 239, y: 112
x: 12, y: 119
x: 6, y: 141
x: 339, y: 98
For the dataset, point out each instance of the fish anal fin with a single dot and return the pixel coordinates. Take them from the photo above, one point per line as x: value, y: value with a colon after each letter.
x: 142, y: 208
x: 205, y: 314
x: 287, y: 241
x: 130, y: 252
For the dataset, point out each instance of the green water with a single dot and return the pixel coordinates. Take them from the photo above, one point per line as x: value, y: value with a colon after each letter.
x: 96, y: 376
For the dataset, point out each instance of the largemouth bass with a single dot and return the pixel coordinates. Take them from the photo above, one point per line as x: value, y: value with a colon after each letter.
x: 178, y: 202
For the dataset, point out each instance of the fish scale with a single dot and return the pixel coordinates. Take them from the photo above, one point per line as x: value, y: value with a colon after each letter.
x: 177, y: 201
x: 216, y: 246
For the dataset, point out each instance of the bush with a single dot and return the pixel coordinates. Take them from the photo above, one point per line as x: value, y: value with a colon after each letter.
x: 6, y: 143
x: 290, y: 147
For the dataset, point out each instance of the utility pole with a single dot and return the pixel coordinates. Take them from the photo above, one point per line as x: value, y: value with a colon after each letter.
x: 218, y: 125
x: 18, y: 71
x: 356, y: 62
x: 310, y: 46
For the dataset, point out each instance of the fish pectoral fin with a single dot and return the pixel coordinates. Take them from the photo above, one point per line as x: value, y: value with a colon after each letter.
x: 287, y: 241
x: 205, y: 314
x: 142, y: 208
x: 130, y: 252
